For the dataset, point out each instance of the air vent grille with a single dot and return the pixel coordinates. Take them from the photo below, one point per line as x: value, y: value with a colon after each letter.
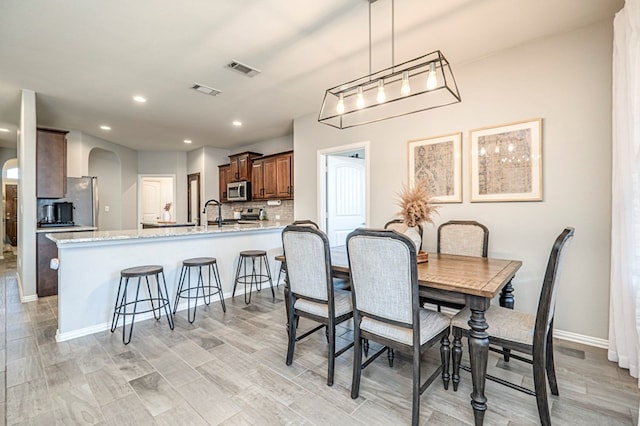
x: 206, y: 89
x: 243, y: 69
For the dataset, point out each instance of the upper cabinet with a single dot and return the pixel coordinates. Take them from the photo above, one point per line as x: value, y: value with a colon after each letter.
x: 241, y: 166
x: 51, y: 163
x: 224, y: 174
x: 276, y: 177
x: 257, y: 179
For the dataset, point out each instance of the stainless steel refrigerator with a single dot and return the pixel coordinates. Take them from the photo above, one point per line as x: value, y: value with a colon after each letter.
x: 83, y: 193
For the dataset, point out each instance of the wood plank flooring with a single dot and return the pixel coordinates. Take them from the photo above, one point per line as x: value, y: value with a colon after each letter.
x: 228, y: 369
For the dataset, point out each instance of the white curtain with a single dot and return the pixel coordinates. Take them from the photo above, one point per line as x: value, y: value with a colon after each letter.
x: 624, y: 312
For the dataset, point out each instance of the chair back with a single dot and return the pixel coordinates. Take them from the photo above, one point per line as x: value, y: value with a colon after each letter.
x: 401, y: 227
x: 306, y: 222
x: 463, y: 237
x: 384, y: 275
x: 547, y: 302
x: 308, y: 260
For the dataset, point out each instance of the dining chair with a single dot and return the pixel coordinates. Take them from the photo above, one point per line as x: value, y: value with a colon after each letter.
x: 464, y: 238
x: 522, y: 332
x: 386, y: 309
x: 283, y: 267
x: 399, y: 226
x: 310, y: 292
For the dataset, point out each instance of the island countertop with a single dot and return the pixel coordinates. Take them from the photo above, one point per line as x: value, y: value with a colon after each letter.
x: 65, y: 238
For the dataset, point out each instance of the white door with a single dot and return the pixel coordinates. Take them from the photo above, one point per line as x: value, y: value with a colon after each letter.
x: 346, y: 207
x: 151, y: 192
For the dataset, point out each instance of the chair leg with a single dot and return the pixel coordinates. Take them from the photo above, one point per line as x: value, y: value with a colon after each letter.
x: 357, y: 361
x: 456, y: 357
x: 153, y: 307
x: 268, y: 270
x: 180, y: 285
x: 119, y: 301
x: 235, y: 280
x: 365, y: 346
x: 167, y: 306
x: 390, y: 356
x: 219, y: 284
x: 332, y: 353
x: 445, y: 355
x: 540, y: 386
x: 415, y: 411
x: 293, y: 324
x: 550, y: 367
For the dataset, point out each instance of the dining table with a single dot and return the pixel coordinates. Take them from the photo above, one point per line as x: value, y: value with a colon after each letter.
x: 474, y: 281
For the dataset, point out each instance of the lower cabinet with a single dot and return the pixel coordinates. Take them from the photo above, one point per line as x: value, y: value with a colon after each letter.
x: 47, y: 278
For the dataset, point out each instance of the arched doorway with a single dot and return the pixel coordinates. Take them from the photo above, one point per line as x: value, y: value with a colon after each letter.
x: 9, y: 211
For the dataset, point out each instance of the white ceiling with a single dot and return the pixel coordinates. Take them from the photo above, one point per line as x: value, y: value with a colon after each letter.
x: 86, y: 59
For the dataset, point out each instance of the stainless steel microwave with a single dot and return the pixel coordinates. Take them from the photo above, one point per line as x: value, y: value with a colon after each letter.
x: 239, y: 191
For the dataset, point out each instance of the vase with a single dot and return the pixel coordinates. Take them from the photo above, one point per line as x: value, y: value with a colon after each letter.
x: 166, y: 216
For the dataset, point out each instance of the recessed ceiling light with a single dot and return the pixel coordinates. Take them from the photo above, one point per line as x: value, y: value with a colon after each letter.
x: 2, y: 129
x: 236, y: 123
x: 187, y: 141
x: 140, y: 99
x: 105, y: 127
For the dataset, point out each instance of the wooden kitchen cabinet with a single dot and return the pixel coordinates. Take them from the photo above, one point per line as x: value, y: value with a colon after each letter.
x: 241, y: 166
x: 47, y: 278
x: 224, y: 175
x: 257, y: 179
x: 276, y: 177
x: 51, y: 163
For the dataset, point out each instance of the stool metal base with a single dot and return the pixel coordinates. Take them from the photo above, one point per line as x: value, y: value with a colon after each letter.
x: 212, y: 288
x: 256, y: 276
x: 161, y: 299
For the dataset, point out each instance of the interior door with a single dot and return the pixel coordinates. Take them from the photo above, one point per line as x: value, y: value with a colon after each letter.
x: 11, y: 214
x: 193, y: 198
x: 151, y: 192
x: 345, y: 197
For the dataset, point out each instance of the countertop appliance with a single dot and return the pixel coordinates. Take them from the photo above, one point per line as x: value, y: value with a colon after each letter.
x: 239, y: 191
x: 79, y: 207
x: 250, y: 214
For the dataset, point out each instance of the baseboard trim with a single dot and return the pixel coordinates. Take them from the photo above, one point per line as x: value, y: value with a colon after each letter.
x: 23, y: 298
x: 581, y: 338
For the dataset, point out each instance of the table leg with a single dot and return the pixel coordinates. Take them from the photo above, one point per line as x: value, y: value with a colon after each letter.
x: 478, y: 354
x: 506, y: 296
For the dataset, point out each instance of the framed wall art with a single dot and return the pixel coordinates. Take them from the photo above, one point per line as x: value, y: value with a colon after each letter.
x: 437, y: 162
x: 506, y: 162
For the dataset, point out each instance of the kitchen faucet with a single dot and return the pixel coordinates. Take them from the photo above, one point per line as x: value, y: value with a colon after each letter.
x: 217, y: 203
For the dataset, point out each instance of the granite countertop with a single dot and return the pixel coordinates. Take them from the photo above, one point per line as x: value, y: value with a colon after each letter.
x: 57, y: 229
x: 161, y: 232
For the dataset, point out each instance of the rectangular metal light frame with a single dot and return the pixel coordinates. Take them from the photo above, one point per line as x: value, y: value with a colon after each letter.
x: 396, y: 104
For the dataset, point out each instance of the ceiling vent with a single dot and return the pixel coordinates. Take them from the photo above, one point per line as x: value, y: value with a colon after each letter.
x: 206, y: 89
x: 243, y: 69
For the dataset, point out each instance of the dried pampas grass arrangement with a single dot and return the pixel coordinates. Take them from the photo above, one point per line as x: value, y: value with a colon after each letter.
x: 415, y: 205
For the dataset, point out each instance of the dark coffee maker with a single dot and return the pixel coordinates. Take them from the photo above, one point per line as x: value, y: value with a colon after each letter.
x: 63, y: 212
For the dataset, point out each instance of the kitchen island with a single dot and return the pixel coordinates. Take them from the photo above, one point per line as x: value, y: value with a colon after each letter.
x: 90, y: 264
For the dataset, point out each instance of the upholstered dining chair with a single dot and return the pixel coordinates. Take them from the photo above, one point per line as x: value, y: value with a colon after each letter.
x: 464, y: 238
x: 283, y: 267
x: 522, y: 332
x: 310, y: 290
x: 386, y: 308
x: 399, y: 226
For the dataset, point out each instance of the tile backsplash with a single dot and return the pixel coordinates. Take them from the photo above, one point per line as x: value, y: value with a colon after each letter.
x: 284, y: 210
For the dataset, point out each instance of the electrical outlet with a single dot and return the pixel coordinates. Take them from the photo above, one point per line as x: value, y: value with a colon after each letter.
x: 106, y: 208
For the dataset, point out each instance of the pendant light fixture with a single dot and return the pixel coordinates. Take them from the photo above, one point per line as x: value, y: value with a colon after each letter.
x: 420, y: 84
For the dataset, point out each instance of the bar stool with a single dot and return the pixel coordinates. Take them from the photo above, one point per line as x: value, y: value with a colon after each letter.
x: 122, y: 302
x: 212, y: 287
x: 256, y: 276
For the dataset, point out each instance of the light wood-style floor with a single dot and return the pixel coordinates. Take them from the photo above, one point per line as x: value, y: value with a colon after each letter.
x: 229, y: 369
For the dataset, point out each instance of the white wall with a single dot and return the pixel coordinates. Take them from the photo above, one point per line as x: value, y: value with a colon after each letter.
x: 27, y: 214
x: 268, y: 147
x: 565, y: 80
x: 79, y: 146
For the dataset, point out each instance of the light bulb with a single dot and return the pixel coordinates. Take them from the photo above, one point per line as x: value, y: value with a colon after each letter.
x: 340, y: 106
x: 359, y: 98
x: 381, y: 95
x: 405, y: 89
x: 432, y: 78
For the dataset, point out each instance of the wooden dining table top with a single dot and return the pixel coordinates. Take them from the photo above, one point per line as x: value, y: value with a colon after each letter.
x: 476, y: 276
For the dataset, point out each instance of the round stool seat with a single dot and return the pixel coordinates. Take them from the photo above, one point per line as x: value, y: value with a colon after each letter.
x: 199, y: 261
x: 253, y: 253
x: 141, y: 271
